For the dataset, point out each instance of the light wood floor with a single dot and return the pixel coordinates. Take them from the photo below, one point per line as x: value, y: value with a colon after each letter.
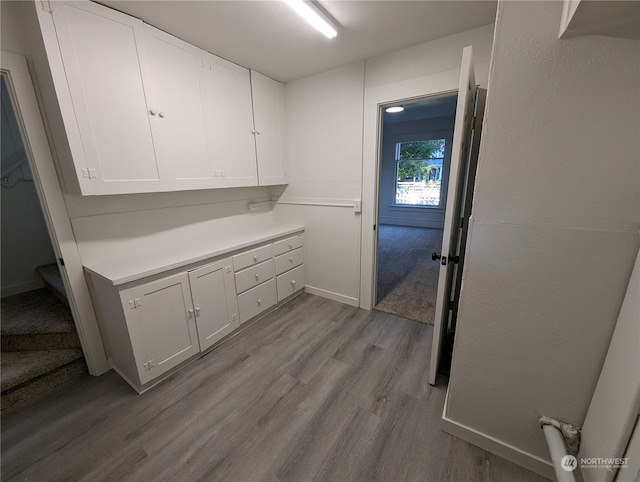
x: 315, y: 391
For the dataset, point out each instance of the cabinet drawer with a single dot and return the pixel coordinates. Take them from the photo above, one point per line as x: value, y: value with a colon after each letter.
x: 289, y: 260
x: 290, y: 282
x: 254, y: 275
x: 252, y: 257
x: 287, y: 245
x: 256, y: 300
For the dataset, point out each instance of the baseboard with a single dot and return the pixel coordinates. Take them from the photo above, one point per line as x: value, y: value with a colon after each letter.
x: 495, y: 446
x: 347, y: 300
x: 21, y: 288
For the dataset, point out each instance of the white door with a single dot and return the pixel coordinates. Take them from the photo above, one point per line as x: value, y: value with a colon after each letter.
x: 268, y: 115
x: 175, y: 109
x: 214, y: 301
x: 228, y: 115
x: 166, y: 318
x: 98, y: 48
x: 459, y: 159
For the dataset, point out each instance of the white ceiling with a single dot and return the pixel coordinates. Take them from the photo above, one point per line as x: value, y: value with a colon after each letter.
x: 265, y: 35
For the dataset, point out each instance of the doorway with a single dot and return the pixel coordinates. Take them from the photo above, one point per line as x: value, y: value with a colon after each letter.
x: 413, y: 175
x: 40, y: 345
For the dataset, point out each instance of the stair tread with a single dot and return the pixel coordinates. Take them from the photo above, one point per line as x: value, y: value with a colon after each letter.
x: 35, y: 312
x: 50, y: 274
x: 20, y: 367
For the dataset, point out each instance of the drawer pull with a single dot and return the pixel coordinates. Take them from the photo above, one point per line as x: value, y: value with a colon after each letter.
x: 255, y: 257
x: 257, y: 276
x: 290, y: 259
x: 259, y: 302
x: 293, y: 282
x: 290, y: 245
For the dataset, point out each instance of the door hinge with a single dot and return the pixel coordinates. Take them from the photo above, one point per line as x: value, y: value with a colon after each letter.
x: 46, y: 6
x: 234, y: 317
x: 374, y: 227
x: 135, y: 303
x: 61, y: 261
x: 149, y: 365
x: 451, y: 305
x: 89, y: 173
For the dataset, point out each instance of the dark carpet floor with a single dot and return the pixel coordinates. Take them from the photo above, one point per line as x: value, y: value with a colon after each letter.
x: 407, y: 277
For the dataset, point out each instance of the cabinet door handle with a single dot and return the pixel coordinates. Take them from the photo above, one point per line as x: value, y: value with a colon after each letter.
x: 293, y: 282
x: 253, y: 131
x: 290, y: 245
x: 255, y: 257
x: 153, y: 112
x: 162, y: 115
x: 291, y: 259
x: 197, y: 309
x: 258, y: 132
x: 190, y: 313
x: 259, y: 301
x: 257, y: 276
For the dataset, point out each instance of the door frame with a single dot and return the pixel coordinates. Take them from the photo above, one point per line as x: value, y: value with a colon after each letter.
x: 375, y: 99
x: 40, y: 159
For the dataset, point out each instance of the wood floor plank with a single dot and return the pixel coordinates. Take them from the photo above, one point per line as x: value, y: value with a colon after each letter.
x: 316, y: 390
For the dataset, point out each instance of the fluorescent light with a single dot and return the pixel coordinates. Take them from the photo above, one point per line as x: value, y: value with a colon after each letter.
x: 394, y: 109
x: 305, y: 10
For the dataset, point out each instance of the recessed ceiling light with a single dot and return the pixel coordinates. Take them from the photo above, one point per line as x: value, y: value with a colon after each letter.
x: 394, y: 109
x: 311, y: 14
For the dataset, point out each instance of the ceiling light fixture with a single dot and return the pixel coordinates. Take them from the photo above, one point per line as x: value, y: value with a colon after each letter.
x: 311, y: 14
x: 395, y: 109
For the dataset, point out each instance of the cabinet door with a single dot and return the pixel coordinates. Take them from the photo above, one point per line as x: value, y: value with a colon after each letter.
x: 115, y: 151
x: 175, y: 109
x: 268, y: 114
x: 228, y: 114
x: 215, y: 302
x: 164, y: 312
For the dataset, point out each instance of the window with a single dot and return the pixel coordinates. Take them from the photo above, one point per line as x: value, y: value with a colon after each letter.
x: 419, y: 172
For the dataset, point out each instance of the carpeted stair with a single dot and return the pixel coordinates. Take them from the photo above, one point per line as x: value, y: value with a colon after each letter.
x: 40, y: 345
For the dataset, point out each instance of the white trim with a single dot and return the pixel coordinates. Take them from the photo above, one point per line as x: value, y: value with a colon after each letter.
x: 303, y: 201
x: 347, y: 300
x: 495, y: 446
x: 54, y: 209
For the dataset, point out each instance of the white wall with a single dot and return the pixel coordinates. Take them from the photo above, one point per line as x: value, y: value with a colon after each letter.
x: 554, y: 230
x: 388, y: 212
x: 324, y: 118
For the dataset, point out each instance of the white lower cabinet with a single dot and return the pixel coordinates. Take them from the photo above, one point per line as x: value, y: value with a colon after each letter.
x: 153, y: 324
x: 161, y: 314
x: 290, y: 282
x: 254, y: 301
x: 214, y: 300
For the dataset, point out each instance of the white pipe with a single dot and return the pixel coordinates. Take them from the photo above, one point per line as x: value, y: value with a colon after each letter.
x: 558, y: 451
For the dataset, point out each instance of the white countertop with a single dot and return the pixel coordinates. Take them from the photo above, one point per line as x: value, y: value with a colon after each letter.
x: 124, y: 270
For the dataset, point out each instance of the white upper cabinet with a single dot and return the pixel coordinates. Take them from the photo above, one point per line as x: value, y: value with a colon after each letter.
x: 175, y: 108
x: 144, y: 111
x: 114, y: 152
x: 268, y: 115
x: 228, y: 114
